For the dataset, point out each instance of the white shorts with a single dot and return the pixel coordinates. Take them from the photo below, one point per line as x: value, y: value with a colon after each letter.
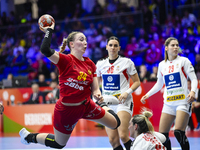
x: 172, y: 109
x: 127, y: 106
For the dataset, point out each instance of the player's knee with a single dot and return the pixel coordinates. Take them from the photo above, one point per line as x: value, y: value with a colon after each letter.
x: 116, y: 117
x: 123, y: 136
x: 180, y: 136
x: 50, y: 141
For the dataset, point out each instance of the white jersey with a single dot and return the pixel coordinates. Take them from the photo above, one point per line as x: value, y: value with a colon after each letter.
x: 174, y: 74
x: 116, y: 76
x: 147, y: 141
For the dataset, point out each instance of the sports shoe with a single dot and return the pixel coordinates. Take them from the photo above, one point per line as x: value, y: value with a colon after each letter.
x: 23, y: 134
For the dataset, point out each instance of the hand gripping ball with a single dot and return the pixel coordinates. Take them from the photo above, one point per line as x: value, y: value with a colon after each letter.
x: 45, y: 21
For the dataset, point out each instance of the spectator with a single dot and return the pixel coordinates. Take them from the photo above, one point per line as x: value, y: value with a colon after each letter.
x: 9, y: 58
x: 147, y: 17
x: 41, y: 80
x: 96, y: 53
x: 153, y: 75
x: 157, y: 41
x: 18, y: 60
x: 17, y: 48
x: 153, y: 55
x: 54, y: 76
x: 53, y: 96
x: 37, y: 97
x: 32, y: 51
x: 97, y: 10
x: 111, y: 6
x: 131, y: 48
x: 140, y: 52
x: 143, y: 73
x: 10, y: 76
x: 188, y: 20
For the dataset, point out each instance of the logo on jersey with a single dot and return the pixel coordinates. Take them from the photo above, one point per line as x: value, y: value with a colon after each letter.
x: 110, y: 78
x: 69, y: 128
x: 171, y: 92
x: 117, y: 68
x: 90, y: 72
x: 111, y: 82
x: 172, y: 80
x: 175, y: 98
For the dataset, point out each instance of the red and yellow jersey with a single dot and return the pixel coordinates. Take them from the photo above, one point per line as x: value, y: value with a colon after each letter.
x: 75, y: 78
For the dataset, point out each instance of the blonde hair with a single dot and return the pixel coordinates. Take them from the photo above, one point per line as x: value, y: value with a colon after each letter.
x: 167, y: 41
x: 142, y: 120
x: 67, y: 40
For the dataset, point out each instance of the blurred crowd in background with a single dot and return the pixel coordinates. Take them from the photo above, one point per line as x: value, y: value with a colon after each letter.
x: 142, y: 31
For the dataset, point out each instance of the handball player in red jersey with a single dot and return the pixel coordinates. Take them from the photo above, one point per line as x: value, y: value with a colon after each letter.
x: 77, y: 80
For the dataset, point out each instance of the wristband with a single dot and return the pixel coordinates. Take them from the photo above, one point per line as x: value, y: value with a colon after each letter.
x: 129, y: 91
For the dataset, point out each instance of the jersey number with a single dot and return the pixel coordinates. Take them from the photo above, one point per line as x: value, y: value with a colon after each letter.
x: 111, y: 69
x: 82, y: 76
x: 171, y: 69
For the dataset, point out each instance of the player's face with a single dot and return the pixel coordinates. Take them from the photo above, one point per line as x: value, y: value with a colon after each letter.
x: 80, y: 42
x: 173, y: 48
x: 131, y: 128
x: 113, y: 48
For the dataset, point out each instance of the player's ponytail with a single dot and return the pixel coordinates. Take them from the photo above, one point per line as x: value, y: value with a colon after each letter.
x: 63, y: 46
x: 144, y: 125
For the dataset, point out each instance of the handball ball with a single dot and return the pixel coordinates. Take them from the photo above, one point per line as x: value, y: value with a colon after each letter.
x: 45, y: 21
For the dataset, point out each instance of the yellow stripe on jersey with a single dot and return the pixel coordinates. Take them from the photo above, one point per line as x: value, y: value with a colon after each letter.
x: 175, y: 98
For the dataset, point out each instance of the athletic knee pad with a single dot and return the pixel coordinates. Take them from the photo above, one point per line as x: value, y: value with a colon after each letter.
x: 180, y: 136
x: 102, y: 104
x: 116, y: 117
x: 167, y: 143
x: 50, y: 141
x: 182, y: 139
x: 167, y: 136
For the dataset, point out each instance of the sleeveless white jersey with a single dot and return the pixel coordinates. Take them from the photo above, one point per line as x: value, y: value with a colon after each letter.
x: 174, y: 74
x: 147, y: 141
x: 116, y: 76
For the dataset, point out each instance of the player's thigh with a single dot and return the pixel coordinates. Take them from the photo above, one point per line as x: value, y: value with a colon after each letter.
x: 124, y: 118
x: 182, y: 119
x: 107, y: 120
x: 60, y: 137
x: 166, y: 121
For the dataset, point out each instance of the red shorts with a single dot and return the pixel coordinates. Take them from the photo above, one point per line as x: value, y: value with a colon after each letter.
x: 66, y: 117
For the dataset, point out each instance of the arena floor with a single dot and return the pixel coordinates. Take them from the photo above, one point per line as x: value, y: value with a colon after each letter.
x: 88, y: 140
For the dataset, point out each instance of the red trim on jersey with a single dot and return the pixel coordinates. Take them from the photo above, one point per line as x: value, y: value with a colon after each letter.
x: 95, y: 75
x: 125, y: 74
x: 161, y: 73
x: 184, y: 72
